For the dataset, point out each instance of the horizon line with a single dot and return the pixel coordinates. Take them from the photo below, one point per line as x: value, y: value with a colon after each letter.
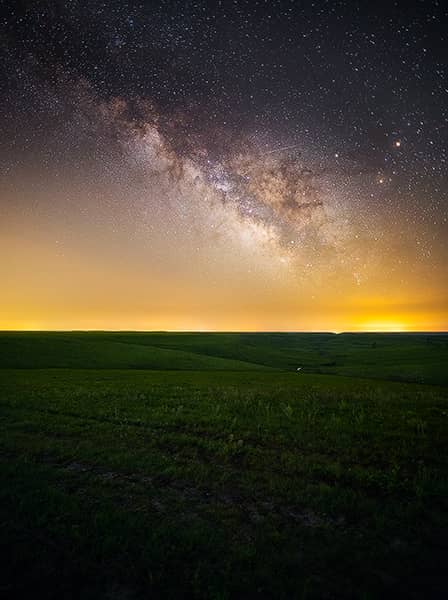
x: 285, y: 331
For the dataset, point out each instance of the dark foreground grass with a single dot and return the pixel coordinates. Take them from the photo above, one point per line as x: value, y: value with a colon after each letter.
x: 127, y: 483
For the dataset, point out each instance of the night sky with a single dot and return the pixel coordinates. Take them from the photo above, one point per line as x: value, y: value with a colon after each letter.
x: 224, y: 165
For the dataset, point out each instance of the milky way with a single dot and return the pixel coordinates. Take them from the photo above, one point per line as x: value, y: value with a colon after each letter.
x: 295, y: 153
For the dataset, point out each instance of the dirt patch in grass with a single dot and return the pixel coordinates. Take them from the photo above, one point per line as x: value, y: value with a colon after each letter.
x: 194, y: 499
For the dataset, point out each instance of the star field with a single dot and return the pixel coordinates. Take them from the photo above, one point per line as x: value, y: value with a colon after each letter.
x: 238, y: 165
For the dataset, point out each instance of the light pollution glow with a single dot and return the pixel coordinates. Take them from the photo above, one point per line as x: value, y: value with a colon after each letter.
x: 150, y: 233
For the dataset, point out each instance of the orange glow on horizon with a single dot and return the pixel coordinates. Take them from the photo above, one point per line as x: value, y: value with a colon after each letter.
x: 82, y: 275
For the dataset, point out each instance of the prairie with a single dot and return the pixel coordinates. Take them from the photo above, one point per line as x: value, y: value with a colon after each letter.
x: 140, y: 465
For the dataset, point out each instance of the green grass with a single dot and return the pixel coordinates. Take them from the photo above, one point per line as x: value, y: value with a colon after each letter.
x: 419, y: 358
x: 202, y: 465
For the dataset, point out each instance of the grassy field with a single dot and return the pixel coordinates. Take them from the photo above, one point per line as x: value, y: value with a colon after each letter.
x: 147, y: 465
